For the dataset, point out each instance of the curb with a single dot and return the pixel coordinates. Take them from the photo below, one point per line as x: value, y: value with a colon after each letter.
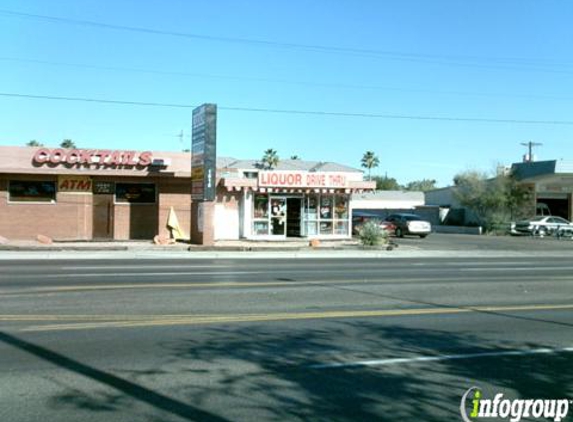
x: 191, y: 249
x: 63, y: 248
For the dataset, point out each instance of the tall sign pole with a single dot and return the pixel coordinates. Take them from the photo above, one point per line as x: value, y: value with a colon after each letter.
x: 203, y: 173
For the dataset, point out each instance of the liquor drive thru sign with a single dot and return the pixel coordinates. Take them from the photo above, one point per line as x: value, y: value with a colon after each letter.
x: 204, y: 152
x: 299, y: 179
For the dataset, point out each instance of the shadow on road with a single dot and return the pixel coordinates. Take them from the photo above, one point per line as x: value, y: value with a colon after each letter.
x: 107, y: 402
x: 265, y: 372
x: 280, y: 383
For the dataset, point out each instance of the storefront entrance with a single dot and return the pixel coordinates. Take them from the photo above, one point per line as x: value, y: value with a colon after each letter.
x: 286, y: 216
x: 308, y: 215
x: 293, y: 217
x: 102, y: 217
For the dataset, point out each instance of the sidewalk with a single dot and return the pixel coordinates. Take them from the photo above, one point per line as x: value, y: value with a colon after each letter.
x: 180, y: 251
x: 144, y: 249
x: 292, y: 249
x: 147, y: 245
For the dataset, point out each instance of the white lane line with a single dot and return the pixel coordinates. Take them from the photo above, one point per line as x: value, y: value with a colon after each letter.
x: 531, y: 268
x: 424, y: 359
x: 138, y: 274
x: 468, y: 264
x: 139, y: 267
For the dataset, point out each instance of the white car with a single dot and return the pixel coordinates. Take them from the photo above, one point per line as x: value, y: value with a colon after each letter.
x: 409, y: 224
x: 543, y: 226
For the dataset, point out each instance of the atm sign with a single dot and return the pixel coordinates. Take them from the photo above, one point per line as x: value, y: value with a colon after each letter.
x: 77, y: 184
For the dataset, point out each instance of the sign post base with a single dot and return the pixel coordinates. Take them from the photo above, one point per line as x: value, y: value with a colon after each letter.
x: 202, y: 223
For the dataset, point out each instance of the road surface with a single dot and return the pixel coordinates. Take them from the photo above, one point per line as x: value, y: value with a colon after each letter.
x: 279, y: 340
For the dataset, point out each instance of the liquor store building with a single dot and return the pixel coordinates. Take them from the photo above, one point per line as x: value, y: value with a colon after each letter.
x: 295, y: 199
x: 93, y: 194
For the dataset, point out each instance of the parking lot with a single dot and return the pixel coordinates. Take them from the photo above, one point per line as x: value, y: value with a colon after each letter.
x: 441, y: 241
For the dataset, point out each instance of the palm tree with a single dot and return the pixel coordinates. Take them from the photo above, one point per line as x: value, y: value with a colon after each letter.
x: 270, y: 158
x: 370, y: 161
x: 34, y: 143
x: 68, y: 143
x: 294, y: 157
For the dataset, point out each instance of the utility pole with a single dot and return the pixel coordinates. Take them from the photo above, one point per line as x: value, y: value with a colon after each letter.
x: 530, y: 145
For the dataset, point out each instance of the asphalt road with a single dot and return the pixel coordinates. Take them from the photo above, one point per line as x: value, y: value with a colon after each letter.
x: 282, y: 340
x: 461, y: 242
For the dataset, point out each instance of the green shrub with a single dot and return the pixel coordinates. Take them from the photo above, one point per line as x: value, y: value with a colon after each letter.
x: 371, y: 234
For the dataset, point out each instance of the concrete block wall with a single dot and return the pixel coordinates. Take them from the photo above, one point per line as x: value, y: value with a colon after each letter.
x: 227, y: 216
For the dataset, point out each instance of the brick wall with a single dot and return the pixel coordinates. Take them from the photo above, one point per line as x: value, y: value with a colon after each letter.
x: 135, y: 221
x: 176, y: 194
x: 69, y: 218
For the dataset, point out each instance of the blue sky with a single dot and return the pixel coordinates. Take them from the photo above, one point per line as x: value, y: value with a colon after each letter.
x: 487, y: 59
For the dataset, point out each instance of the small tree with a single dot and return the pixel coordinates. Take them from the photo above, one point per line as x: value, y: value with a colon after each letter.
x: 270, y: 158
x: 421, y: 185
x: 294, y: 157
x: 493, y: 200
x: 370, y: 161
x: 34, y: 143
x: 68, y: 143
x: 520, y: 198
x: 386, y: 183
x: 371, y: 234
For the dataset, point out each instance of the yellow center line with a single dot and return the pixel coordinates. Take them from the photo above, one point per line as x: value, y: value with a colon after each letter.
x: 101, y: 321
x: 93, y: 317
x: 62, y: 289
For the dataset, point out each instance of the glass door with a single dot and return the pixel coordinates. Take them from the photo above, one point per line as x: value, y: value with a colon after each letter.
x: 278, y: 216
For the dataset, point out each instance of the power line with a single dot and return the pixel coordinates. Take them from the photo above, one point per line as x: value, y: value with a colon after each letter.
x: 393, y: 55
x: 279, y: 80
x: 95, y: 100
x: 296, y: 112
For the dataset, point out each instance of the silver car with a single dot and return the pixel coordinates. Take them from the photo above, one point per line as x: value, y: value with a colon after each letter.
x: 409, y: 224
x: 543, y: 226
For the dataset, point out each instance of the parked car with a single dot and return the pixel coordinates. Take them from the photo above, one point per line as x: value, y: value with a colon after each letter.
x: 410, y: 224
x: 543, y: 226
x: 358, y: 219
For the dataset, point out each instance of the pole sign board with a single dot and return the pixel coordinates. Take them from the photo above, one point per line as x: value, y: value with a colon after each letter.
x: 204, y: 153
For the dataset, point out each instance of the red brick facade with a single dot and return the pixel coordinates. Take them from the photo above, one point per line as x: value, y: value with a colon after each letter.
x: 71, y: 215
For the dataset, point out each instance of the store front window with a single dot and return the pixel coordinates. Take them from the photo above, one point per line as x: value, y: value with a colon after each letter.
x: 269, y: 215
x: 332, y: 216
x: 304, y: 215
x: 311, y: 216
x: 341, y: 215
x: 135, y: 193
x: 261, y: 215
x: 31, y: 191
